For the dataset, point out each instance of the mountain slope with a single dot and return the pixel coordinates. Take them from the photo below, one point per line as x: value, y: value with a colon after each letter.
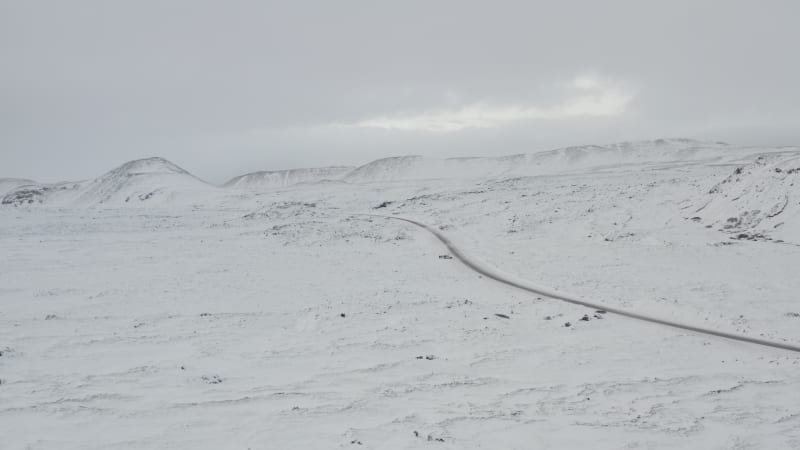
x: 141, y: 180
x: 149, y: 179
x: 155, y: 180
x: 547, y: 162
x: 284, y: 178
x: 757, y: 200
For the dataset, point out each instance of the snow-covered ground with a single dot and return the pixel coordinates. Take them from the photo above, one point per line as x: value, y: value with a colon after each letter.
x: 206, y: 317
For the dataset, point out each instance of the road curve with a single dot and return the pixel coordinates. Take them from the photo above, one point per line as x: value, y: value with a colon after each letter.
x: 524, y: 285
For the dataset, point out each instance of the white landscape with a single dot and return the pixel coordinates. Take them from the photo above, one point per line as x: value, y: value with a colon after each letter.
x: 146, y: 308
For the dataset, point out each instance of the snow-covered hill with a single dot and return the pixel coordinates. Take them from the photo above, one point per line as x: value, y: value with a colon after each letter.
x: 156, y: 180
x: 151, y: 179
x: 569, y: 159
x: 144, y: 180
x: 756, y: 201
x: 283, y: 178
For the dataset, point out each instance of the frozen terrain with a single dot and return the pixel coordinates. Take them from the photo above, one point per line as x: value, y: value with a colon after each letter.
x: 284, y: 178
x: 760, y: 200
x: 272, y: 317
x: 154, y: 180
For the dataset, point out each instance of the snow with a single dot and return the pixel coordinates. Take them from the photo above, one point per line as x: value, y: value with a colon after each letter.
x: 569, y: 159
x: 153, y: 180
x: 8, y: 184
x: 756, y: 201
x: 264, y: 180
x: 229, y: 318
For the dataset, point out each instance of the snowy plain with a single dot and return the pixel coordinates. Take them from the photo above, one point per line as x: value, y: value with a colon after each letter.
x: 148, y: 309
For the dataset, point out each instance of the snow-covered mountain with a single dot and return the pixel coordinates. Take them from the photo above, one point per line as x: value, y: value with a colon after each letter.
x: 414, y: 167
x: 283, y: 178
x: 144, y: 180
x: 158, y: 180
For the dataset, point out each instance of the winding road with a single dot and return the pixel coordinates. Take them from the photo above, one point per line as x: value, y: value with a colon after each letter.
x: 524, y: 285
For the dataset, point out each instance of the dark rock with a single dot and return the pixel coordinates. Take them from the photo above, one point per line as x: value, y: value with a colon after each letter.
x: 212, y: 379
x: 26, y: 195
x: 502, y: 316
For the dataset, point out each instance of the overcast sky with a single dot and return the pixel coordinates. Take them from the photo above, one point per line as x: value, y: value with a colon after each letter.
x: 226, y: 87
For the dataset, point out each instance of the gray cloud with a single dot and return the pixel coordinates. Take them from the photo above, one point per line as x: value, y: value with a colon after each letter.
x: 227, y: 87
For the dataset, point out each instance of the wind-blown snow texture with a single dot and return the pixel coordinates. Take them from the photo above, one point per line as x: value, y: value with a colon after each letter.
x: 229, y: 318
